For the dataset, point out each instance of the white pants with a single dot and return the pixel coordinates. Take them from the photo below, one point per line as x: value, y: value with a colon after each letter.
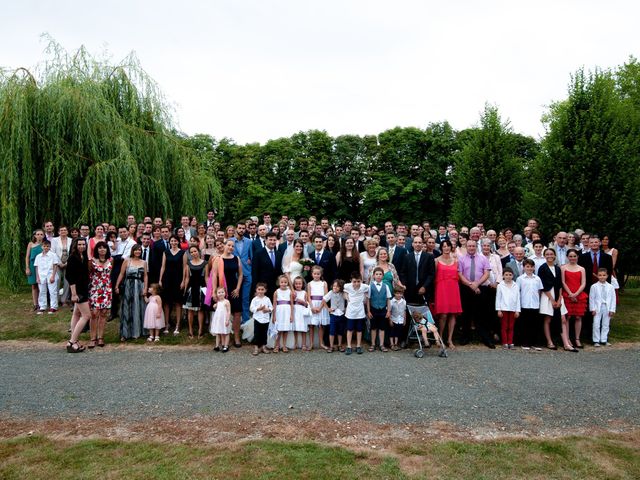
x: 601, y: 324
x: 52, y: 288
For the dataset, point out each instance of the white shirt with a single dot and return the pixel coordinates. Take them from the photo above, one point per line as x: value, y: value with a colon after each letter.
x: 508, y: 297
x: 398, y: 310
x: 530, y: 287
x: 44, y: 264
x: 57, y: 247
x: 600, y: 294
x: 261, y: 316
x: 123, y: 247
x: 355, y: 305
x: 538, y: 261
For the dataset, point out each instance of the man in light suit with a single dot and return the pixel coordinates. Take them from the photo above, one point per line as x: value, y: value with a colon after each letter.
x: 516, y: 263
x: 188, y: 231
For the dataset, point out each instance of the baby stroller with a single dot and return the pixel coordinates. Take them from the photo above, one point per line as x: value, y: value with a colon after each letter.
x: 414, y: 330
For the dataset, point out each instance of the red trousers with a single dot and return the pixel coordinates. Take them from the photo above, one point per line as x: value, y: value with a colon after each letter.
x: 507, y: 322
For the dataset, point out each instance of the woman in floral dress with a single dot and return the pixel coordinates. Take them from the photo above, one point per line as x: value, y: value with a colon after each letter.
x: 100, y: 295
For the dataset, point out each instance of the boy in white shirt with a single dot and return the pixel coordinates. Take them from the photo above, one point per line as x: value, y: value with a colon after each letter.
x: 530, y: 287
x: 398, y: 317
x: 261, y: 308
x: 357, y: 294
x: 602, y: 303
x: 507, y: 306
x: 46, y: 264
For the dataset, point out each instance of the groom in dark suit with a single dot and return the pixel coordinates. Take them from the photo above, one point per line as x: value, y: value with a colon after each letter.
x: 420, y: 270
x: 266, y: 266
x: 325, y: 259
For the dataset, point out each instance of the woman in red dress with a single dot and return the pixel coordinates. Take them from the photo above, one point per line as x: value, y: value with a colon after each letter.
x: 447, y: 297
x: 574, y: 280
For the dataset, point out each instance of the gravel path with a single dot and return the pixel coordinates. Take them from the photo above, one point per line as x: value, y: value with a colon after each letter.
x: 472, y: 388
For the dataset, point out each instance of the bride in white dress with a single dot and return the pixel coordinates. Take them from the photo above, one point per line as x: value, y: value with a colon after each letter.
x: 291, y: 265
x: 292, y: 268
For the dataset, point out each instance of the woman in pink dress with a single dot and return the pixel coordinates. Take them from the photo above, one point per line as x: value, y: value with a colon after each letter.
x: 447, y: 297
x: 574, y: 281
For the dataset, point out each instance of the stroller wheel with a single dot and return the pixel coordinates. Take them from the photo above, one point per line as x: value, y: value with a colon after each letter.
x: 443, y: 354
x: 419, y: 353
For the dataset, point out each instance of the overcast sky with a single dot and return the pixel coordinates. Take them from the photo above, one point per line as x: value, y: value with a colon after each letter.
x: 257, y: 70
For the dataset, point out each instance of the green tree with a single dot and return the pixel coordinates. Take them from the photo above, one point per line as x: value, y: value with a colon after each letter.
x: 488, y: 174
x: 89, y: 141
x: 587, y: 173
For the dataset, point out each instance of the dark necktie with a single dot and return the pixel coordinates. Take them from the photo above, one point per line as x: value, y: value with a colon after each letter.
x: 472, y: 269
x: 317, y: 258
x: 144, y: 253
x: 595, y: 264
x: 273, y: 257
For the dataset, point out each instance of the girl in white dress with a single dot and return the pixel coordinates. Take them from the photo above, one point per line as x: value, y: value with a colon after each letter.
x: 283, y: 312
x: 221, y: 321
x: 316, y: 290
x: 300, y: 312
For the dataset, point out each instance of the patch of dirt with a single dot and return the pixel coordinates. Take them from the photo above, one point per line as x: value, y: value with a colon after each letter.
x: 230, y: 430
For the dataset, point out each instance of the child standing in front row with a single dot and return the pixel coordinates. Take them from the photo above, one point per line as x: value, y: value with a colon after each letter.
x: 508, y: 307
x: 46, y: 264
x: 357, y: 295
x: 398, y: 317
x: 153, y: 314
x: 300, y: 313
x: 530, y: 287
x: 602, y: 303
x: 379, y: 307
x: 316, y: 290
x: 337, y: 305
x: 220, y: 321
x: 283, y: 312
x: 261, y: 308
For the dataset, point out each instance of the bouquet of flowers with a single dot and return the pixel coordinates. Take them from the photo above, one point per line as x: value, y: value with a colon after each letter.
x: 306, y: 263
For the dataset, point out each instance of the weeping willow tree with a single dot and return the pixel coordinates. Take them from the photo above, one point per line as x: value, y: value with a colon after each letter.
x: 83, y: 140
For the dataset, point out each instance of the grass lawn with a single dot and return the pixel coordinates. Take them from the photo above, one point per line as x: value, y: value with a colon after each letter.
x: 18, y: 322
x: 607, y: 456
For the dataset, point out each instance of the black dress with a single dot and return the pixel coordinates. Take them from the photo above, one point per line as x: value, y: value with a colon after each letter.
x: 347, y: 266
x: 172, y: 278
x: 78, y: 275
x: 193, y: 298
x: 231, y: 272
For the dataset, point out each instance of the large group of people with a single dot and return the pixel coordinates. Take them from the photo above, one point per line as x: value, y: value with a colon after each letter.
x: 308, y: 283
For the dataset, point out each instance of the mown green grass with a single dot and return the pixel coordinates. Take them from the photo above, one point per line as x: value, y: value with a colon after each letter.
x: 18, y: 322
x: 593, y: 457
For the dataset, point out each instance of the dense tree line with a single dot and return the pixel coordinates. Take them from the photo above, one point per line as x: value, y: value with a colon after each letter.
x: 89, y: 141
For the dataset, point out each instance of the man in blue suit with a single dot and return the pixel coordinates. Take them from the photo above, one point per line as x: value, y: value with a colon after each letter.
x: 243, y: 249
x: 325, y: 259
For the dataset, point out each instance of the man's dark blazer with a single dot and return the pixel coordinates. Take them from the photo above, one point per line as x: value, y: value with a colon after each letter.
x: 426, y: 275
x: 156, y: 253
x: 399, y: 261
x: 256, y: 245
x: 262, y: 270
x: 328, y: 264
x: 282, y: 247
x: 586, y: 260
